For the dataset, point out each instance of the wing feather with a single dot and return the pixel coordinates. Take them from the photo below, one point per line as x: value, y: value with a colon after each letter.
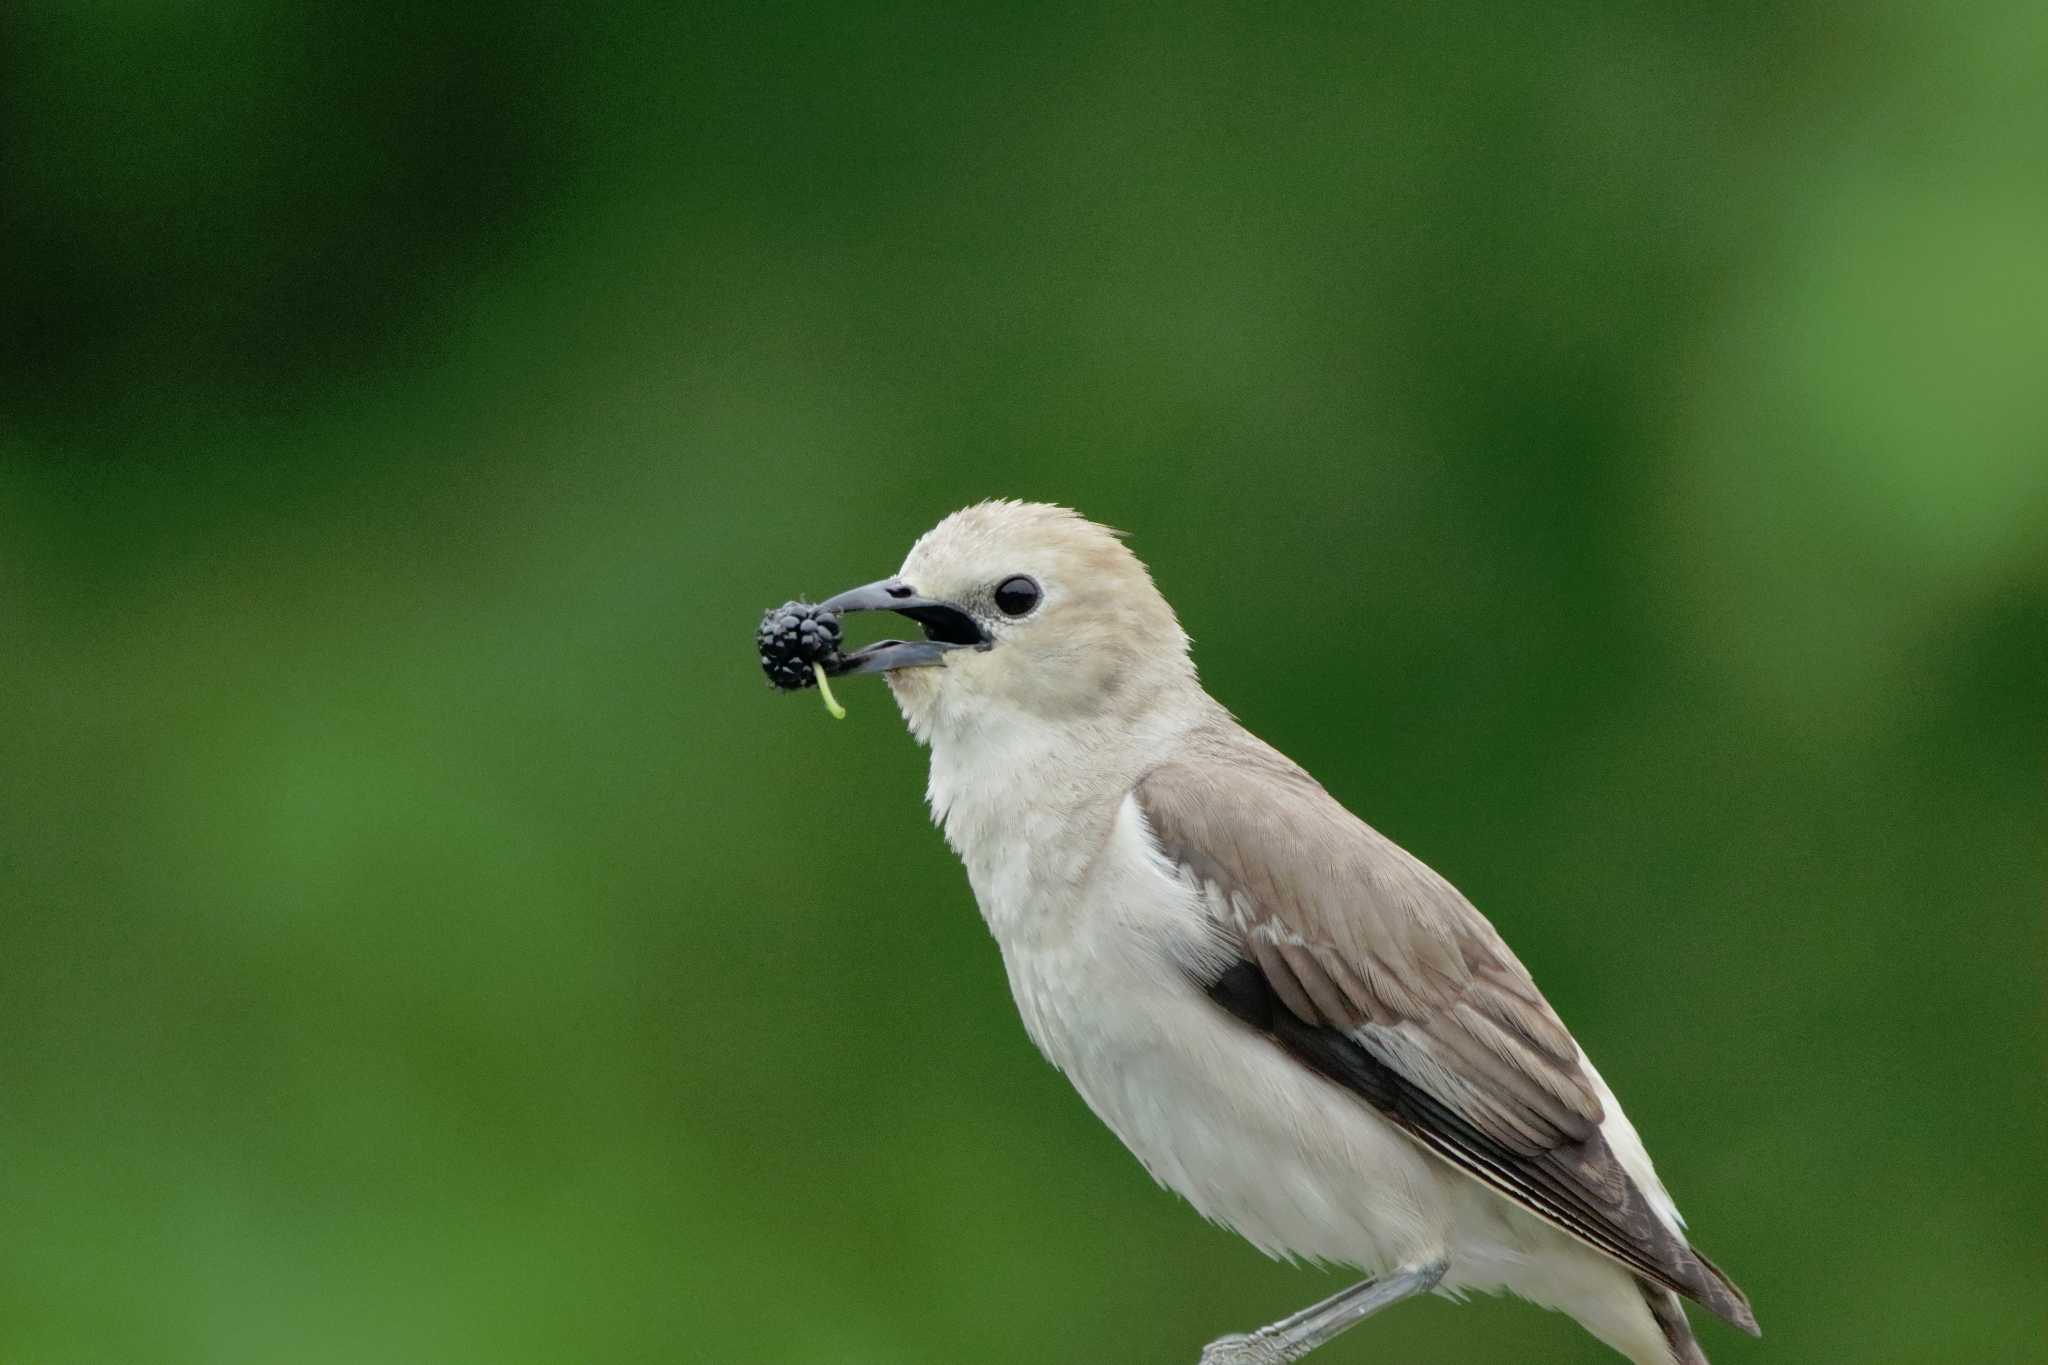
x: 1372, y: 970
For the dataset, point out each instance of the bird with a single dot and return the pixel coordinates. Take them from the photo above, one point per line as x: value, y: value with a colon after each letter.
x: 1292, y: 1022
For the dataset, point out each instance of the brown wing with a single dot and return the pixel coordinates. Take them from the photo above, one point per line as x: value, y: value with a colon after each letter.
x: 1372, y: 970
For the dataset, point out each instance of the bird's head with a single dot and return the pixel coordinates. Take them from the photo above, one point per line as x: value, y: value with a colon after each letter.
x: 1028, y: 610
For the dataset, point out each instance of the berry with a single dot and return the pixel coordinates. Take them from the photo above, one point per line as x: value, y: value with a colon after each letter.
x: 794, y: 636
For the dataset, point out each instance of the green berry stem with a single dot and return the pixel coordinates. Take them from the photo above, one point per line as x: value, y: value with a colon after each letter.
x: 825, y: 691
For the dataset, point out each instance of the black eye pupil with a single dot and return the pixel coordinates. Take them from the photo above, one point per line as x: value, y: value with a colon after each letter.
x: 1016, y: 595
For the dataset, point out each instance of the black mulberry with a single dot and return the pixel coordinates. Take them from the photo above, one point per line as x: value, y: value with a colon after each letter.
x: 794, y: 636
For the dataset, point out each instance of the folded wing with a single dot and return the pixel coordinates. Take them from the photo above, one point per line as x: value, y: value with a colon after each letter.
x: 1374, y: 972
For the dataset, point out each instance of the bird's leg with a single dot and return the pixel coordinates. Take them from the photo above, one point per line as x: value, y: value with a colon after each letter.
x: 1295, y: 1336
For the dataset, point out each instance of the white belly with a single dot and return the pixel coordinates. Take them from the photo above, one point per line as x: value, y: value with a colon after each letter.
x: 1097, y: 935
x: 1217, y: 1113
x: 1226, y: 1120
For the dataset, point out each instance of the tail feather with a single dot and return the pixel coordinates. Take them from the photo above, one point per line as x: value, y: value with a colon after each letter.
x: 1670, y: 1318
x: 1718, y: 1295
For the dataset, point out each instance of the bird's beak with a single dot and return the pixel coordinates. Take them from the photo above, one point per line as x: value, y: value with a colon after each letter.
x: 946, y: 628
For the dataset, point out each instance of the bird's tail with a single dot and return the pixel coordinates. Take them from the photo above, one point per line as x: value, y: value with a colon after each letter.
x: 1718, y: 1294
x: 1670, y: 1318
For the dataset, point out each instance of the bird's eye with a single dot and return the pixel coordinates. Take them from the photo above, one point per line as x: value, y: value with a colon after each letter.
x: 1016, y: 595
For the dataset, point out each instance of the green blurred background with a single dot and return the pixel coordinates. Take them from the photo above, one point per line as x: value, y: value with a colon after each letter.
x: 1608, y: 445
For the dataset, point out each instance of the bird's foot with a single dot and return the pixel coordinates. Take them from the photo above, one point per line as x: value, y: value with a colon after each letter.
x: 1296, y: 1335
x: 1247, y: 1348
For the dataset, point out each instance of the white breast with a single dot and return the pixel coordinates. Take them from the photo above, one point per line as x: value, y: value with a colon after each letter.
x: 1098, y: 960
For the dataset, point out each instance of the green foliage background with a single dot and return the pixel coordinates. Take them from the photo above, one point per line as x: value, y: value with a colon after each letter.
x: 1605, y: 444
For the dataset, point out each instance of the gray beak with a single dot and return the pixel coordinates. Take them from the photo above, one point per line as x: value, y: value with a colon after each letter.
x: 946, y: 628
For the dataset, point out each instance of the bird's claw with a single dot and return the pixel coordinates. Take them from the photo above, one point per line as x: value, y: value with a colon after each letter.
x: 1246, y: 1348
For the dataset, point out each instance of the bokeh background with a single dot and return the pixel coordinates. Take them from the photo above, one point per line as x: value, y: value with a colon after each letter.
x: 1608, y: 445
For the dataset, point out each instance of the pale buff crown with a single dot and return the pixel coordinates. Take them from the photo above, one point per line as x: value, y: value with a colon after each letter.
x: 1101, y: 643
